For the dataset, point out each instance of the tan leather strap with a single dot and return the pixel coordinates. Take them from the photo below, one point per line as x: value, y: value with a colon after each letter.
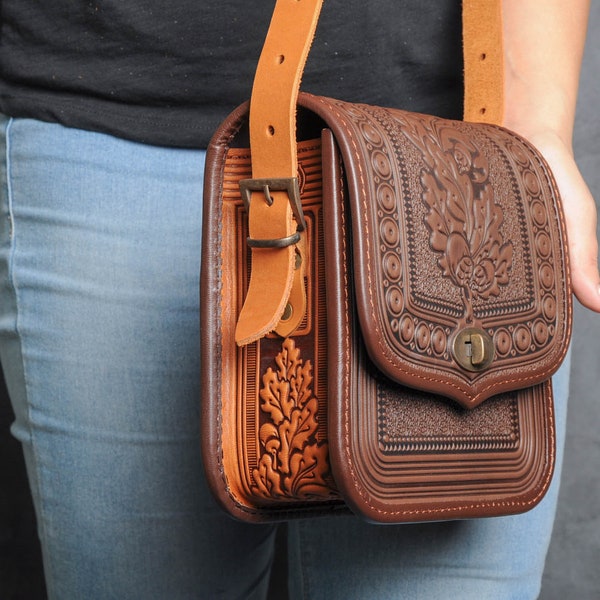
x: 273, y: 147
x: 483, y: 53
x: 276, y: 280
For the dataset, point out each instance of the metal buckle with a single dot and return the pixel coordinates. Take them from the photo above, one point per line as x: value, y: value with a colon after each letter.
x: 290, y: 240
x: 278, y: 184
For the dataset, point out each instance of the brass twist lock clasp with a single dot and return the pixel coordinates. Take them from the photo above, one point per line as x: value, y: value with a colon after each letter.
x: 473, y: 349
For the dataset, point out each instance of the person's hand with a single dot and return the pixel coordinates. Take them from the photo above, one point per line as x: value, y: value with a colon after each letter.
x: 580, y: 214
x: 543, y: 49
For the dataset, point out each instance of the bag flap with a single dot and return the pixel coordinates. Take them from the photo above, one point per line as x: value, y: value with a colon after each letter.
x: 461, y: 273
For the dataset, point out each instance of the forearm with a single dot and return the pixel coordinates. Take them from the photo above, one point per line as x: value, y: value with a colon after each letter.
x: 544, y: 41
x: 543, y: 48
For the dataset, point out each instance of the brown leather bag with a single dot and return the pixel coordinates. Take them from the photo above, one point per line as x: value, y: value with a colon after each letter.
x: 385, y: 296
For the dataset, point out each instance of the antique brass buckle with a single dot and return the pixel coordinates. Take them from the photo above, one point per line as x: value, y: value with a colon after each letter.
x: 287, y: 184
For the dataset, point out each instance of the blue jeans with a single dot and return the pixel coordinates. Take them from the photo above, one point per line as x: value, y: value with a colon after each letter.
x: 99, y: 264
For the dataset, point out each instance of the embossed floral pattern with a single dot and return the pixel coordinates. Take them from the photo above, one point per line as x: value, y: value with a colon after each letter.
x: 463, y: 219
x: 293, y: 463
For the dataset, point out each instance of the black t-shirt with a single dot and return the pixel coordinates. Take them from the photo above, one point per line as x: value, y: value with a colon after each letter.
x: 167, y: 72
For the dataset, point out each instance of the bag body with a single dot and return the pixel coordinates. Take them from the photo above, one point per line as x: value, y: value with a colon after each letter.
x: 416, y: 385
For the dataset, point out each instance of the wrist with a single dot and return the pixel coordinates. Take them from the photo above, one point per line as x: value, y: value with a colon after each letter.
x: 546, y: 116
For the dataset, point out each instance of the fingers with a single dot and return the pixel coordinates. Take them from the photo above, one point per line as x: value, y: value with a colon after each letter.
x: 585, y: 280
x: 583, y: 250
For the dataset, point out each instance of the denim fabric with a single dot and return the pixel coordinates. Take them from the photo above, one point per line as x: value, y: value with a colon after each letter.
x: 99, y: 340
x: 99, y: 335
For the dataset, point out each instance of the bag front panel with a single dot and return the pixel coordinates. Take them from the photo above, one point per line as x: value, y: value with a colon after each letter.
x: 401, y: 455
x: 457, y: 229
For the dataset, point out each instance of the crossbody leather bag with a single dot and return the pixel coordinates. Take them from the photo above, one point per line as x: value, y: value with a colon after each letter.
x: 385, y: 296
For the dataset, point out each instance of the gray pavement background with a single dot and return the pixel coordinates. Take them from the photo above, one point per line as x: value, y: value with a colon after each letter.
x: 573, y: 564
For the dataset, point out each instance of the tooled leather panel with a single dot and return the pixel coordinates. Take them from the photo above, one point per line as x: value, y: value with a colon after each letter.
x: 410, y: 457
x: 274, y: 415
x: 402, y: 455
x: 436, y: 425
x: 456, y: 226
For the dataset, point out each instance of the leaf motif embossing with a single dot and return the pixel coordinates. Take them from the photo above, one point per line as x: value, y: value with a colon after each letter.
x: 463, y: 218
x: 293, y: 463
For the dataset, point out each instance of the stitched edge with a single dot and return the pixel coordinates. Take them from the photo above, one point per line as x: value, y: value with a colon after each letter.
x: 385, y: 349
x: 455, y: 511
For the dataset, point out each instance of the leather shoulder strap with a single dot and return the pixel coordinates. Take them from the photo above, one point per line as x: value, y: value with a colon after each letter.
x: 276, y: 282
x: 483, y: 52
x: 274, y: 166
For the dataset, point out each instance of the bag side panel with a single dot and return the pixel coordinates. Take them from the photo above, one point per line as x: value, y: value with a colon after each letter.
x: 264, y: 418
